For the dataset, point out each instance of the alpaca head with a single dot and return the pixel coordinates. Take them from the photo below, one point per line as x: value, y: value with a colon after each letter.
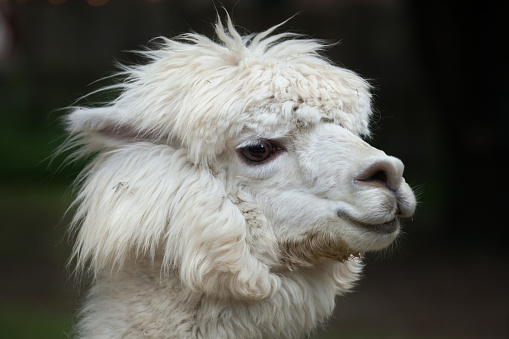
x: 228, y: 163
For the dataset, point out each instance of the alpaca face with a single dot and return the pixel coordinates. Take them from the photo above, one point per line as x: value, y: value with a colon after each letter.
x: 326, y: 181
x: 226, y: 162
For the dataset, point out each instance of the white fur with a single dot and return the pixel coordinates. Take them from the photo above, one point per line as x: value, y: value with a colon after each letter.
x: 187, y: 239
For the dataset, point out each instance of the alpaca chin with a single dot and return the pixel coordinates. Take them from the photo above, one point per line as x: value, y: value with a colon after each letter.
x: 314, y: 248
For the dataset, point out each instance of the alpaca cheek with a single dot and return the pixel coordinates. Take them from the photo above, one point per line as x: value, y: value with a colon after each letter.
x: 214, y: 247
x: 260, y: 237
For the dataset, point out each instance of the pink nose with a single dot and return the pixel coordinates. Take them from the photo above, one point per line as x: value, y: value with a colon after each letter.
x: 381, y: 171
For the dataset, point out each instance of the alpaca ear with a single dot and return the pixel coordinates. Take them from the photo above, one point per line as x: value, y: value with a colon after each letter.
x: 107, y: 126
x: 209, y: 233
x: 93, y: 120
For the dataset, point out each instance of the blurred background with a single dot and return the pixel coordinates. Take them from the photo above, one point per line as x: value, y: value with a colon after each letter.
x: 441, y: 99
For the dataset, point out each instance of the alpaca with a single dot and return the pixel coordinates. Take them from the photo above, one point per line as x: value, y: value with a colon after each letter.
x: 230, y: 194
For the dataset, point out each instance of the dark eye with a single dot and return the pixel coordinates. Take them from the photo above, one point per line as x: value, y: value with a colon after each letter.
x: 258, y: 152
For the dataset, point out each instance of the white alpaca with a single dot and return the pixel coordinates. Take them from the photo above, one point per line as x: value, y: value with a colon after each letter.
x: 231, y: 194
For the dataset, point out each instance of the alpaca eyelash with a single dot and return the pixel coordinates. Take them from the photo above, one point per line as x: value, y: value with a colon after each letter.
x: 278, y: 145
x: 250, y: 143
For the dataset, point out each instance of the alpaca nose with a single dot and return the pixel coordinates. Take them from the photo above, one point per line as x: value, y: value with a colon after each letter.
x: 381, y: 171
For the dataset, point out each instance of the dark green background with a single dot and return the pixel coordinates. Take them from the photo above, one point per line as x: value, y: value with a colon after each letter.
x: 441, y: 106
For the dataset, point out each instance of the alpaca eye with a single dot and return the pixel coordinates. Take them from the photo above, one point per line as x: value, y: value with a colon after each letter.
x: 258, y: 152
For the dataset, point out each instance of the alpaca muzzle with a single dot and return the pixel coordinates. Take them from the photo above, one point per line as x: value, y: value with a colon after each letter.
x: 386, y: 173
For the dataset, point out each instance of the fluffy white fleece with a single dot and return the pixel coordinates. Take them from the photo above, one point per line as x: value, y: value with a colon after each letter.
x: 185, y: 235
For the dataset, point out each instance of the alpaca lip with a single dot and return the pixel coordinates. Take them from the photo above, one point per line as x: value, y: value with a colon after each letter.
x: 388, y: 227
x: 384, y: 228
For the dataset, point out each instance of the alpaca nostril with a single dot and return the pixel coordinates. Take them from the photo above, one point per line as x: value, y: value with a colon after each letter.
x: 374, y: 177
x: 378, y: 176
x: 386, y: 172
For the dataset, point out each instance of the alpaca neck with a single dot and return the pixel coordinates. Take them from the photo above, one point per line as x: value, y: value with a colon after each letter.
x: 138, y: 302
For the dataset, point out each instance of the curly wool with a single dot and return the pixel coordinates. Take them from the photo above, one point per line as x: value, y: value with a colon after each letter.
x: 265, y: 83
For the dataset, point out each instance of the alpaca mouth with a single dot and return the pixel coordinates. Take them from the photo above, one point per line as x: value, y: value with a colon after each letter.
x: 383, y: 228
x: 386, y: 227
